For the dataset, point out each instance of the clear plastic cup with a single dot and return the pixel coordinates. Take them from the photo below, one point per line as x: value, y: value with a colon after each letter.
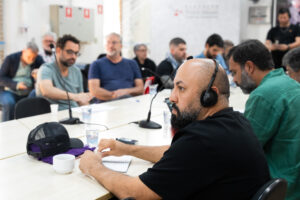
x: 92, y: 136
x: 167, y: 121
x: 86, y: 114
x: 54, y: 108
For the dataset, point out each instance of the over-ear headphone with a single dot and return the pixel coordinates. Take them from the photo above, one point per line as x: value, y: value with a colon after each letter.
x: 209, y: 97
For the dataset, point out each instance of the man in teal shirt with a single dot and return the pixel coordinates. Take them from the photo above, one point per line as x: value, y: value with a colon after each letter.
x: 55, y: 78
x: 273, y: 109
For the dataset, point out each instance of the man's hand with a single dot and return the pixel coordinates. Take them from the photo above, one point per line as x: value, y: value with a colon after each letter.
x: 22, y: 86
x: 89, y: 161
x: 82, y: 98
x: 120, y: 92
x: 34, y: 73
x: 274, y: 47
x: 283, y: 47
x: 116, y: 148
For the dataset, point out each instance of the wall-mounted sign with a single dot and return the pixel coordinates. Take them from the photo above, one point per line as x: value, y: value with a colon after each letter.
x: 86, y: 13
x: 68, y: 12
x: 258, y: 15
x: 100, y: 9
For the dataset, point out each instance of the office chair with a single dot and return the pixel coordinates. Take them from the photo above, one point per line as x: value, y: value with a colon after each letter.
x: 274, y: 189
x: 31, y: 106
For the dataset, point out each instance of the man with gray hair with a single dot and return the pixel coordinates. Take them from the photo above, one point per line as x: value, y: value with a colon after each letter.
x: 113, y: 76
x: 16, y: 79
x: 291, y: 61
x: 46, y: 53
x: 146, y: 65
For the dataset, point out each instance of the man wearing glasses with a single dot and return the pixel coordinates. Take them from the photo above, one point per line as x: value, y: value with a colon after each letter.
x: 62, y: 75
x: 114, y: 77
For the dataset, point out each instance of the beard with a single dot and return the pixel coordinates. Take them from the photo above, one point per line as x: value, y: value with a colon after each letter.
x: 210, y: 56
x: 68, y: 62
x: 247, y: 85
x: 183, y: 118
x: 112, y: 53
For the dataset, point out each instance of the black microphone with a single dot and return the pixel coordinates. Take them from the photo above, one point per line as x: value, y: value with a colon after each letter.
x: 165, y: 79
x: 147, y: 123
x: 71, y: 120
x: 52, y: 48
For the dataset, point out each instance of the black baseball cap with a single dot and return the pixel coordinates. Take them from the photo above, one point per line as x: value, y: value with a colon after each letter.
x: 49, y: 139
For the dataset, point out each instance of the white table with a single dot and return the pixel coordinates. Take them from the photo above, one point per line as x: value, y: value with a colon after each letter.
x: 112, y: 114
x: 23, y: 177
x: 13, y: 138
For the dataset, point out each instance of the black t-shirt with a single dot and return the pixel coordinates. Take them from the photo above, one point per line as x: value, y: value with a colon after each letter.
x: 149, y: 64
x: 283, y: 36
x: 215, y: 158
x: 164, y: 68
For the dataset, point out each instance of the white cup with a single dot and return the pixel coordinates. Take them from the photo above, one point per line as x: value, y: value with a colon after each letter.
x: 63, y: 163
x: 54, y: 108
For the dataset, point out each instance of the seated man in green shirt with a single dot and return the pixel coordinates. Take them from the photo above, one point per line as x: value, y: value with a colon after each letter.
x: 62, y: 75
x: 273, y: 109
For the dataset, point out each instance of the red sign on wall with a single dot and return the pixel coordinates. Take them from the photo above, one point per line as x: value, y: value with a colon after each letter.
x: 68, y: 12
x: 100, y: 9
x: 86, y: 13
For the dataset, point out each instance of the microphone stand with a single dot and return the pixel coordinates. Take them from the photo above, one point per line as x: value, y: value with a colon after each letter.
x: 147, y: 123
x: 71, y: 120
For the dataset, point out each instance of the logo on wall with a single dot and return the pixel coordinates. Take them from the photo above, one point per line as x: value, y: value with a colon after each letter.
x: 68, y: 12
x: 86, y: 13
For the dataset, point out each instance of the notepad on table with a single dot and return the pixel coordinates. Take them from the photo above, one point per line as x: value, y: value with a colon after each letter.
x: 117, y: 163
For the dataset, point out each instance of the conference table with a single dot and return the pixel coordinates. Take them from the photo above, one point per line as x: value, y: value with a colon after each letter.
x: 23, y: 177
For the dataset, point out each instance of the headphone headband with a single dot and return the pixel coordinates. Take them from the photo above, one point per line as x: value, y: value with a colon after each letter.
x: 213, y: 77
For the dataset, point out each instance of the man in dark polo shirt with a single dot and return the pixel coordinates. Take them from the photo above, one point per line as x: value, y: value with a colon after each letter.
x: 214, y: 153
x: 283, y: 37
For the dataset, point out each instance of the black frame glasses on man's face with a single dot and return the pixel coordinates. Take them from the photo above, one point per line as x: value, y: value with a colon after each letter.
x: 71, y: 52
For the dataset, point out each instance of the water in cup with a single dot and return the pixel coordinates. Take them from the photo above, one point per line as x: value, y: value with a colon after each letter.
x: 167, y: 121
x: 152, y: 90
x: 86, y: 114
x: 91, y: 137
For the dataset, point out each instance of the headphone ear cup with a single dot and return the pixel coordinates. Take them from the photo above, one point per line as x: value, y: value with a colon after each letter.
x: 208, y: 98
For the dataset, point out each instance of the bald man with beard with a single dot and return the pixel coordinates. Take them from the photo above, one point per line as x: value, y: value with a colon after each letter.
x: 213, y: 154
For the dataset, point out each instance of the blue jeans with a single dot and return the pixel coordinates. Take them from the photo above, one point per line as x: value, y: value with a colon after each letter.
x: 8, y: 101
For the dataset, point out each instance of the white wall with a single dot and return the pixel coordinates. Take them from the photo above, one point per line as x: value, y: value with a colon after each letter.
x: 34, y: 15
x: 146, y: 21
x: 156, y: 22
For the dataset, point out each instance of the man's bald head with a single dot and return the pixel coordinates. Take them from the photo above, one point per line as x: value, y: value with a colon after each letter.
x: 192, y: 78
x: 202, y: 70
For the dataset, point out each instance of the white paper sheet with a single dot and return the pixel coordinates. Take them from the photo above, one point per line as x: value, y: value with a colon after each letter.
x: 117, y: 163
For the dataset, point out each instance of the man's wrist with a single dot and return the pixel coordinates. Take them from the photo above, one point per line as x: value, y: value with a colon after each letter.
x: 288, y: 47
x: 72, y: 97
x: 95, y: 169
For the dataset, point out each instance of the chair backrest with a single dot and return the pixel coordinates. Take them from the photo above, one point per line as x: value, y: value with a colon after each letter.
x: 31, y: 106
x: 274, y: 189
